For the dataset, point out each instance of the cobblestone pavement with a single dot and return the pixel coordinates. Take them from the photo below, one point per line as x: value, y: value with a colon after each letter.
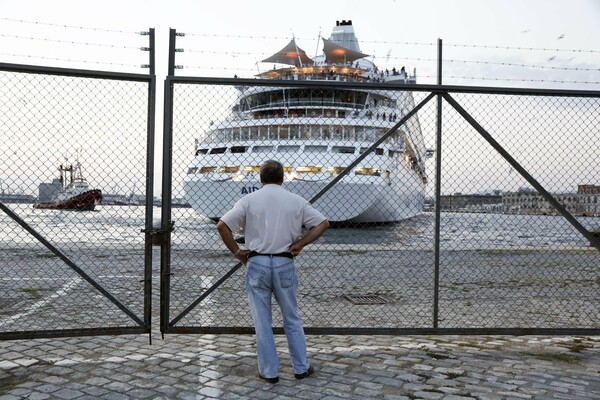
x: 348, y: 367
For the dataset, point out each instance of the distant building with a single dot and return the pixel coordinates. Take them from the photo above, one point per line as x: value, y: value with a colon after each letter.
x: 471, y: 202
x: 588, y: 199
x: 584, y: 202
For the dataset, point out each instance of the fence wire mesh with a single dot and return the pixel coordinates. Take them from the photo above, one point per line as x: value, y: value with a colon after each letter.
x: 73, y: 169
x: 501, y: 265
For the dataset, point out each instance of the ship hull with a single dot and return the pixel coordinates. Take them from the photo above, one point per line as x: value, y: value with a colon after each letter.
x: 86, y: 201
x: 360, y: 202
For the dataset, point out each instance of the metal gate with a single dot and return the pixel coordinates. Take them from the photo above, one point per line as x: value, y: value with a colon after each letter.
x: 67, y: 272
x: 505, y: 243
x: 475, y: 262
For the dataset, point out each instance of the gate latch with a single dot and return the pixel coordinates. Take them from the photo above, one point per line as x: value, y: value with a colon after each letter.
x: 158, y: 234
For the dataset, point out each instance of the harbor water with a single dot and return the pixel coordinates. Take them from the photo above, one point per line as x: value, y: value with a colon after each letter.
x: 121, y: 225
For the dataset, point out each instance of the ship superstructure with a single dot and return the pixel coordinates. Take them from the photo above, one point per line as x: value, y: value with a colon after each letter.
x: 316, y: 133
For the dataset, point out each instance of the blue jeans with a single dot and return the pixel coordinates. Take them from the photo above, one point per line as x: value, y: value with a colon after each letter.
x: 276, y: 276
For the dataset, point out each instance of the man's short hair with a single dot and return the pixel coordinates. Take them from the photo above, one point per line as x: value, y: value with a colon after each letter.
x: 271, y: 171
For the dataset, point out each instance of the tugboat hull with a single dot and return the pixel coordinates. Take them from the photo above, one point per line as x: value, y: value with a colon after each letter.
x: 85, y: 201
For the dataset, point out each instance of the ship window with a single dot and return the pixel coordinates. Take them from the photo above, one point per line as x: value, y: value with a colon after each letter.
x: 378, y: 151
x: 201, y: 151
x: 288, y: 149
x: 192, y: 170
x: 262, y: 149
x: 218, y: 150
x: 368, y: 171
x: 229, y: 169
x: 238, y: 149
x: 315, y: 149
x: 252, y: 168
x: 309, y: 169
x: 342, y: 149
x: 335, y: 170
x: 206, y: 170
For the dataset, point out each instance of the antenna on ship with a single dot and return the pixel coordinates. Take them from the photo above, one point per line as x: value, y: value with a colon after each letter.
x: 318, y: 41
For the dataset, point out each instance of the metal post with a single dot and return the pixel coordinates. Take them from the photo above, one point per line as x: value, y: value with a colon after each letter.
x: 152, y: 52
x: 166, y: 224
x: 438, y: 185
x: 149, y: 191
x: 171, y: 67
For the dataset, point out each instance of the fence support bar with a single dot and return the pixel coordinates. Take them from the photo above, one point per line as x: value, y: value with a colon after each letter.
x: 438, y: 190
x: 547, y: 196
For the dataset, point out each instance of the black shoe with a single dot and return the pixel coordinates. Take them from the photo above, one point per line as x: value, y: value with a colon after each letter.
x: 268, y: 380
x: 306, y: 374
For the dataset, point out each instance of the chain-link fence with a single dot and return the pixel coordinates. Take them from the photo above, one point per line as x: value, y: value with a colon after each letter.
x: 73, y: 169
x: 363, y: 151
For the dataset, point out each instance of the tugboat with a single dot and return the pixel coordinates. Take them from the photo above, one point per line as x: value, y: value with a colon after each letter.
x: 74, y: 192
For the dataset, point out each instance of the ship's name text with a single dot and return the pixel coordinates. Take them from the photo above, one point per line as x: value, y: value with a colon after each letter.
x: 249, y: 189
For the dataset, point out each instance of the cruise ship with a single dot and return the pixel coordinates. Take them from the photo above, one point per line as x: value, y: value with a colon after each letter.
x: 316, y: 133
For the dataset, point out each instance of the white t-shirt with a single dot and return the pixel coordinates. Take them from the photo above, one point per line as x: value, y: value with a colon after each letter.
x: 272, y: 218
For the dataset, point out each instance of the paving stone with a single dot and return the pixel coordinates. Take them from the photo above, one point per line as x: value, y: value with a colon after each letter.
x: 10, y: 397
x: 349, y: 367
x: 67, y: 394
x: 37, y: 396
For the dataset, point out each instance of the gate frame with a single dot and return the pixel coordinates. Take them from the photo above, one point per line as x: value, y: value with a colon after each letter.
x: 143, y: 323
x: 440, y: 91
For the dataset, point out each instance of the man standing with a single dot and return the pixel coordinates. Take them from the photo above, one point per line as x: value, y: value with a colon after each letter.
x: 272, y: 219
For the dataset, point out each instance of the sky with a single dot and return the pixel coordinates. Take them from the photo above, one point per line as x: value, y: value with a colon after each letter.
x: 510, y: 43
x: 394, y: 32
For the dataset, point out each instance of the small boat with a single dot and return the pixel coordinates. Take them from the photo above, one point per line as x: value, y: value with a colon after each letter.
x: 74, y: 193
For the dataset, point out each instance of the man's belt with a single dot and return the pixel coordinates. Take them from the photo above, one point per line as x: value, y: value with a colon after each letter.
x: 284, y: 254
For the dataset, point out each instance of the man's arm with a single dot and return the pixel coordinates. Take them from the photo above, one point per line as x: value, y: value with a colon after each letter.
x: 310, y: 237
x: 229, y: 240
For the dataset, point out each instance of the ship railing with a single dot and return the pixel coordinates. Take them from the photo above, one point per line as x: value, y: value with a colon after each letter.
x: 375, y: 78
x: 307, y: 103
x: 325, y: 77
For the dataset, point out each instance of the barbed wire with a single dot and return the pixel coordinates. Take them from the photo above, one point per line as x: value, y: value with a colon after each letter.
x: 503, y: 47
x: 235, y: 54
x: 523, y: 65
x: 68, y: 41
x: 72, y: 60
x: 231, y: 53
x: 512, y: 79
x: 215, y: 68
x: 200, y: 67
x: 215, y: 35
x: 66, y: 26
x: 478, y: 46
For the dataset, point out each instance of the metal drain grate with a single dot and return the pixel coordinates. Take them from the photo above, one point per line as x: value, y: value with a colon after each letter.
x: 366, y: 299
